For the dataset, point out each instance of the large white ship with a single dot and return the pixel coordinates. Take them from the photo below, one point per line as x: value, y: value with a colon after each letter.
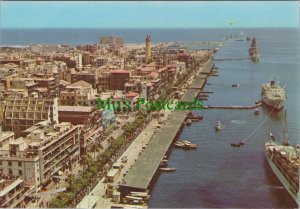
x: 284, y: 162
x: 273, y: 95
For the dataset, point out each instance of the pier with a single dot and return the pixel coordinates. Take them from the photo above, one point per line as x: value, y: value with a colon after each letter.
x: 225, y: 59
x: 139, y: 177
x: 232, y: 107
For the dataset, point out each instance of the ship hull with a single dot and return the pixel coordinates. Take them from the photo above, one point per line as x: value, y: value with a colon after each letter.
x: 277, y: 105
x: 283, y: 181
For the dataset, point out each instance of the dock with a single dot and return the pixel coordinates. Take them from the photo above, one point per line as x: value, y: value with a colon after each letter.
x: 139, y: 177
x: 225, y: 59
x: 232, y: 107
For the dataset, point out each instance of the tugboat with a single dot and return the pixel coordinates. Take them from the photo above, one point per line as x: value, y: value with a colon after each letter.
x: 218, y: 126
x: 236, y: 85
x: 235, y: 144
x: 253, y: 51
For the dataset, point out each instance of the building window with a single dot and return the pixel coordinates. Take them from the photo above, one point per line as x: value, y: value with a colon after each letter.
x: 9, y: 163
x: 0, y: 162
x: 10, y: 172
x: 19, y: 164
x: 20, y: 172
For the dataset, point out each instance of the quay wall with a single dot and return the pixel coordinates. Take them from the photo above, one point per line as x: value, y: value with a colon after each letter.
x: 139, y: 177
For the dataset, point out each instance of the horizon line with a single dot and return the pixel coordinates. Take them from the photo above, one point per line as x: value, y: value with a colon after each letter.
x: 259, y: 27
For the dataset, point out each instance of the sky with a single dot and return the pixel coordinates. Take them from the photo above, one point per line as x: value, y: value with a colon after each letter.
x: 158, y: 14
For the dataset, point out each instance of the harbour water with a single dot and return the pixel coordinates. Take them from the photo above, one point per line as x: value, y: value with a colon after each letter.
x: 217, y: 175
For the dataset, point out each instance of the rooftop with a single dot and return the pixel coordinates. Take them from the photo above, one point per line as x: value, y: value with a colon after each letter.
x: 79, y: 84
x: 119, y: 71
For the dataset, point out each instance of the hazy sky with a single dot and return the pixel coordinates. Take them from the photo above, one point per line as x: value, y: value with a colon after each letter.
x: 148, y: 14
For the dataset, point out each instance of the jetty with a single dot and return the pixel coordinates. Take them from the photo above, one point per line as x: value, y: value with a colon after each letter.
x: 232, y: 107
x: 225, y: 59
x: 139, y: 177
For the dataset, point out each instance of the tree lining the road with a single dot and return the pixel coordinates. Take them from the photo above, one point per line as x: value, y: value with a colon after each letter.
x: 94, y: 169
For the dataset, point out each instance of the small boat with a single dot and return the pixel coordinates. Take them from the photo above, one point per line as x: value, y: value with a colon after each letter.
x: 163, y: 163
x: 236, y: 85
x: 185, y: 144
x: 271, y: 135
x: 202, y: 98
x: 234, y: 144
x: 167, y: 169
x: 178, y: 144
x: 188, y: 122
x: 188, y: 144
x: 203, y: 95
x: 242, y: 143
x: 218, y: 125
x: 256, y: 111
x: 194, y: 117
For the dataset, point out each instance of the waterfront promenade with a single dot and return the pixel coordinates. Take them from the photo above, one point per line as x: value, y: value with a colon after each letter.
x: 141, y: 174
x: 96, y: 197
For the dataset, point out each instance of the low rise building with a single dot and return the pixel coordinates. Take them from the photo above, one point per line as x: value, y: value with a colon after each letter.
x: 79, y: 93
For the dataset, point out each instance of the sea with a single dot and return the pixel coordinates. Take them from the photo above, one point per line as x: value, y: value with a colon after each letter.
x: 216, y: 175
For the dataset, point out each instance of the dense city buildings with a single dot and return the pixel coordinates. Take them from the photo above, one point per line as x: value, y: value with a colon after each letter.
x: 51, y: 126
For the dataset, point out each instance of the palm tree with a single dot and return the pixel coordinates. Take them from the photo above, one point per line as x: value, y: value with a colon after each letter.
x: 95, y: 149
x: 85, y: 161
x: 70, y: 178
x: 110, y: 140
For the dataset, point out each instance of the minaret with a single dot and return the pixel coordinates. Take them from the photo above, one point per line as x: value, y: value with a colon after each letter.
x: 148, y: 49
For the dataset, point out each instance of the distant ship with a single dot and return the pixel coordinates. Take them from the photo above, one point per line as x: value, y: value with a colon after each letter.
x: 284, y: 162
x: 241, y: 37
x: 273, y: 95
x: 253, y: 51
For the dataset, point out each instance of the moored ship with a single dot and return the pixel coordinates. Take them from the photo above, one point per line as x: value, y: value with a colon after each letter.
x: 253, y: 51
x: 284, y: 162
x: 273, y: 95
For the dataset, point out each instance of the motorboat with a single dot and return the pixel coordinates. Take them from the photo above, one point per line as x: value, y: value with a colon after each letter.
x: 235, y: 144
x: 218, y: 126
x: 167, y: 169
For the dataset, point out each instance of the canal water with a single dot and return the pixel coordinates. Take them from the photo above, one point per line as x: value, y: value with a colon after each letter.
x: 217, y: 175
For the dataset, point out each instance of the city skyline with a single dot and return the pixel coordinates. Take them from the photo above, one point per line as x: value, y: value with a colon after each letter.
x: 149, y: 14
